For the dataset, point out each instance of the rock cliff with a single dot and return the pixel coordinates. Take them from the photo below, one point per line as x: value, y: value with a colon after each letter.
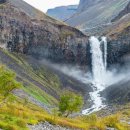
x: 40, y: 36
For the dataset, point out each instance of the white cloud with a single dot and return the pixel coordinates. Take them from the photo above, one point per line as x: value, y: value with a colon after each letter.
x: 46, y: 4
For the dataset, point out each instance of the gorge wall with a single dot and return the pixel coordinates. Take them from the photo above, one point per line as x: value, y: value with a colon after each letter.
x: 41, y: 38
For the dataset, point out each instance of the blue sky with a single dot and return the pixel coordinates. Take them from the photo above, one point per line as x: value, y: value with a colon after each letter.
x: 43, y: 5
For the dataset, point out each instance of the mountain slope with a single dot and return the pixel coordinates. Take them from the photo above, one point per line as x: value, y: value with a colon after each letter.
x: 31, y: 11
x: 96, y: 13
x: 63, y: 12
x: 85, y: 4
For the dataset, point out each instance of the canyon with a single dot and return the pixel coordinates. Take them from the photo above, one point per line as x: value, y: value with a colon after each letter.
x: 87, y: 52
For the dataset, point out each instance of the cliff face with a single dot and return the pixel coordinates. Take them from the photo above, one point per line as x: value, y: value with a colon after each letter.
x: 118, y: 34
x: 63, y: 12
x: 41, y: 38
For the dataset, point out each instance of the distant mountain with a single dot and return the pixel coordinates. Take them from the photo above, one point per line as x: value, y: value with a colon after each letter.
x: 63, y: 12
x: 92, y: 14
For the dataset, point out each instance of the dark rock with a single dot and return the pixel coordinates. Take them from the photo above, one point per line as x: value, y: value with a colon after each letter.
x: 2, y: 1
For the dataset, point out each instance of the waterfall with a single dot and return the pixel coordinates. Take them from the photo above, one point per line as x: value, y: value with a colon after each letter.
x: 104, y: 40
x: 99, y: 70
x: 98, y: 65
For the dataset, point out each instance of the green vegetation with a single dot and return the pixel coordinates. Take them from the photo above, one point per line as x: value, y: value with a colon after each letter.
x: 37, y: 79
x: 69, y: 103
x: 7, y: 83
x: 17, y: 113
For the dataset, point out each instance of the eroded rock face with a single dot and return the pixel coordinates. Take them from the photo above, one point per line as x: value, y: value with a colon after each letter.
x: 119, y: 46
x: 116, y: 51
x: 40, y: 38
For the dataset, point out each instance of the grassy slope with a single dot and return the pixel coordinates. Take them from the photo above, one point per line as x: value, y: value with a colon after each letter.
x: 40, y: 83
x: 16, y: 114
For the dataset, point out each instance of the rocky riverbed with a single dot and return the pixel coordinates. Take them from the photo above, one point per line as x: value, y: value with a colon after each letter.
x: 47, y: 126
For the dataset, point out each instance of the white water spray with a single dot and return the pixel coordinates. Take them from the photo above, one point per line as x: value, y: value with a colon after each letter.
x: 99, y: 65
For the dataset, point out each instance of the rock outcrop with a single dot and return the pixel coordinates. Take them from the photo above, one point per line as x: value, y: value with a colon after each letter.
x: 118, y: 93
x: 62, y: 12
x: 41, y: 37
x: 118, y: 34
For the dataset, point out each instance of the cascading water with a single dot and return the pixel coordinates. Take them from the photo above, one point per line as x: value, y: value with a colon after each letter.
x: 104, y: 40
x: 99, y: 65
